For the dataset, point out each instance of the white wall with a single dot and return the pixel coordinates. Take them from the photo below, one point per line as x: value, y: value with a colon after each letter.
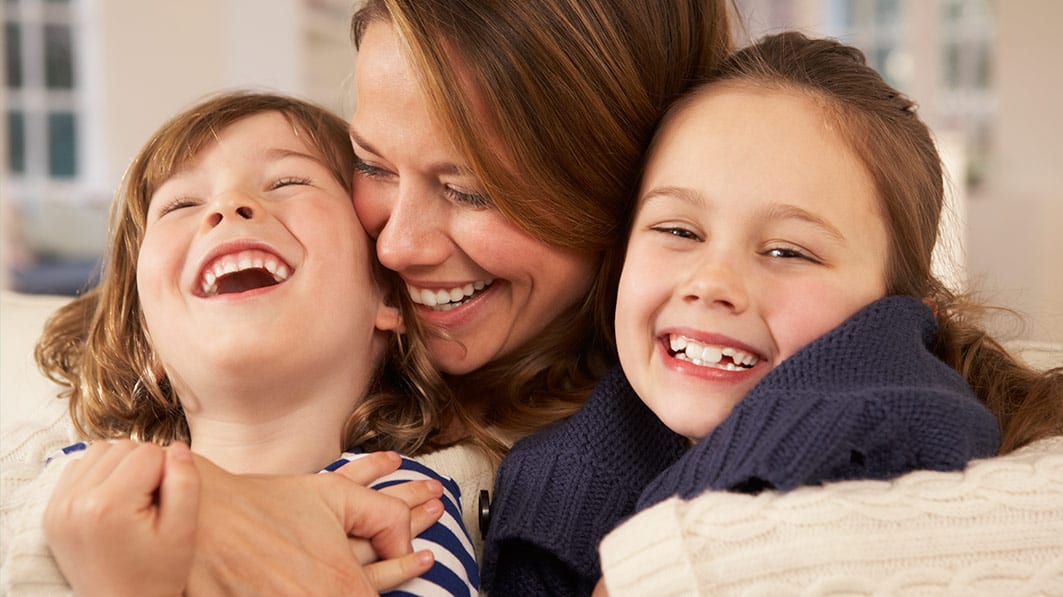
x: 1016, y: 228
x: 159, y: 57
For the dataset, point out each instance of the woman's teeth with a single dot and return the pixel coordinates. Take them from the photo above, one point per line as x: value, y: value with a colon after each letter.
x: 443, y: 299
x: 711, y: 355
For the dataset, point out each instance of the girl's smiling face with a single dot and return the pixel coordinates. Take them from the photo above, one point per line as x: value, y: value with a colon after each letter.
x: 252, y: 254
x: 757, y: 230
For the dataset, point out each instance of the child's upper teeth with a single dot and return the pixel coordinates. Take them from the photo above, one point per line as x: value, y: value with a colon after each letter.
x: 238, y: 262
x: 710, y: 354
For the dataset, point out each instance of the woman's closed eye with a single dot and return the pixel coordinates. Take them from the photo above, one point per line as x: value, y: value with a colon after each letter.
x: 368, y: 170
x: 473, y: 200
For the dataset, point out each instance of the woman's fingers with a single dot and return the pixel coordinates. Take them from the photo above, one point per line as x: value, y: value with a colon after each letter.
x: 415, y: 492
x: 382, y: 519
x: 388, y: 574
x: 422, y: 516
x: 370, y: 467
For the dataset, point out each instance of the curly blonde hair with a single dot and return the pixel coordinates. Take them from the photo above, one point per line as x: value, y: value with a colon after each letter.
x: 97, y: 347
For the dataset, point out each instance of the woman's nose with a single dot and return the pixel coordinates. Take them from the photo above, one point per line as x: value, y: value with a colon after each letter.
x: 232, y: 205
x: 416, y: 233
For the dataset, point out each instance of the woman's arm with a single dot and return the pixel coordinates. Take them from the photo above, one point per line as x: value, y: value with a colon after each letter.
x: 289, y: 534
x: 995, y: 527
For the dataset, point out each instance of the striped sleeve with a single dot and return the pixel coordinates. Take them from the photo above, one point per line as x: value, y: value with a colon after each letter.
x: 455, y: 571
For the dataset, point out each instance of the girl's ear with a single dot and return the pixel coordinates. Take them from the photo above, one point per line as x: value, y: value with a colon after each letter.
x: 389, y: 319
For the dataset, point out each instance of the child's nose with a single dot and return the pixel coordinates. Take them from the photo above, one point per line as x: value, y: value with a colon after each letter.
x: 233, y: 205
x: 717, y: 282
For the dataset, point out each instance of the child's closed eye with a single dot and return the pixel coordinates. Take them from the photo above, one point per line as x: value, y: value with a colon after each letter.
x: 289, y: 181
x: 176, y: 204
x: 677, y: 231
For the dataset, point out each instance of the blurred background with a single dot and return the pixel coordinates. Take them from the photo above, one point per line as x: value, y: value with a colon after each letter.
x: 86, y: 82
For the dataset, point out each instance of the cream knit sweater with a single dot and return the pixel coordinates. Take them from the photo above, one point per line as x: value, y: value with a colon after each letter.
x: 994, y: 529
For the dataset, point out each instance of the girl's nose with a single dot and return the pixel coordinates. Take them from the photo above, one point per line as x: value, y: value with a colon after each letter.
x: 717, y: 282
x: 232, y: 205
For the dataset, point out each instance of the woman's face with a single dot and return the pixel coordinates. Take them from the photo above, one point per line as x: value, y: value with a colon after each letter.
x: 489, y: 285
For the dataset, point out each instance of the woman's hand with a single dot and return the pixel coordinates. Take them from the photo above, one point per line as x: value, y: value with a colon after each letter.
x: 122, y: 519
x: 289, y: 534
x: 422, y: 497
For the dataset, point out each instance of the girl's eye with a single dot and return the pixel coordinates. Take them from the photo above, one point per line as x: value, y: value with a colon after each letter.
x: 474, y: 200
x: 288, y: 181
x: 677, y: 231
x: 367, y: 170
x: 176, y: 204
x: 789, y: 253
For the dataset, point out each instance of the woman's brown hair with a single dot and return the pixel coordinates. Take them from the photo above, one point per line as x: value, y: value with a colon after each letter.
x: 97, y: 346
x: 574, y: 90
x: 882, y: 127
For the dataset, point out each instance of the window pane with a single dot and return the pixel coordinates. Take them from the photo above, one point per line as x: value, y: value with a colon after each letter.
x: 13, y: 50
x: 16, y: 142
x: 62, y: 144
x: 58, y: 57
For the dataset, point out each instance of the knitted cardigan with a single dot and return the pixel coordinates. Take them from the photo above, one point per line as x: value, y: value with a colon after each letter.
x: 867, y: 400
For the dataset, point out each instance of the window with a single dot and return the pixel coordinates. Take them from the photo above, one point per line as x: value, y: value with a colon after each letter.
x: 41, y: 81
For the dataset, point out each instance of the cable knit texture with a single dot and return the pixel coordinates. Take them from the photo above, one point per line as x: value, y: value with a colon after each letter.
x: 867, y: 400
x: 995, y: 528
x: 559, y: 491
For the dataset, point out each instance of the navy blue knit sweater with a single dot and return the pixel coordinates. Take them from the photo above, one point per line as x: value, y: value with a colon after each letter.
x: 868, y: 400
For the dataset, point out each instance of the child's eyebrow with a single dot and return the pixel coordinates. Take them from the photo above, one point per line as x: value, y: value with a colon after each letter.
x: 276, y: 153
x: 684, y: 194
x: 786, y: 211
x: 774, y: 212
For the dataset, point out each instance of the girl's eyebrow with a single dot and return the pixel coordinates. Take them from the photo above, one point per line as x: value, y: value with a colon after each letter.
x: 684, y: 194
x: 276, y: 153
x: 438, y: 168
x: 774, y: 212
x: 786, y: 211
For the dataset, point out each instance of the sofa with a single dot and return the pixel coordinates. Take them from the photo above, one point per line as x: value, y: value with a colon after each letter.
x: 995, y: 528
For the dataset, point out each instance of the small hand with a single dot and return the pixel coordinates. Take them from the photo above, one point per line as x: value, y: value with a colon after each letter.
x: 122, y: 519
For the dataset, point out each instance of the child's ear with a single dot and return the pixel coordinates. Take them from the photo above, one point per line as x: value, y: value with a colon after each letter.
x: 389, y: 319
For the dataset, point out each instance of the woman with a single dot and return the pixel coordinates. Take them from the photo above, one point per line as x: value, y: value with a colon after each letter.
x: 498, y: 148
